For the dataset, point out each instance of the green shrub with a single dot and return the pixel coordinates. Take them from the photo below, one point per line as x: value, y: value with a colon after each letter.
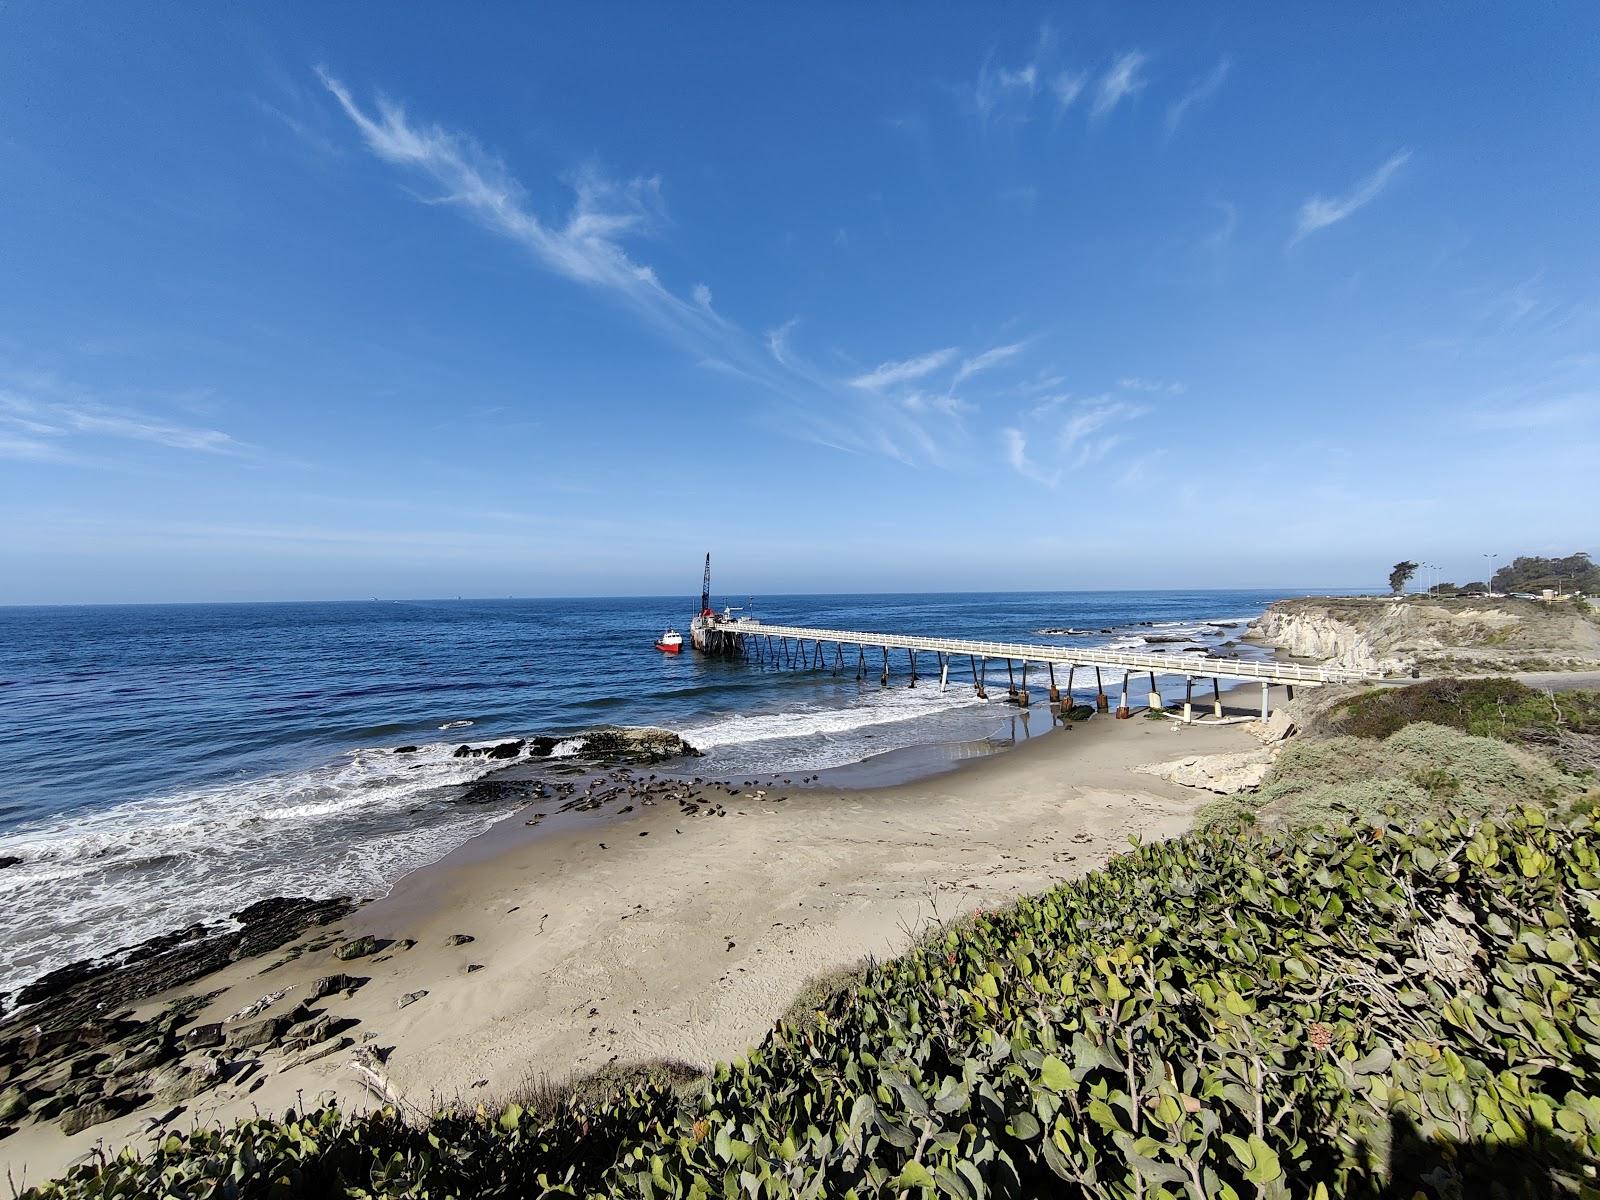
x: 1495, y: 707
x: 1486, y: 773
x: 1306, y: 1014
x: 1225, y: 812
x: 1420, y: 769
x: 1362, y: 802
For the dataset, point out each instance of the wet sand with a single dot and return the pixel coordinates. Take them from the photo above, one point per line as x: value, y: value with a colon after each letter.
x: 680, y: 928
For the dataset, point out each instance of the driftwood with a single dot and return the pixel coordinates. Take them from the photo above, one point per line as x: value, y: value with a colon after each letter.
x: 365, y: 1065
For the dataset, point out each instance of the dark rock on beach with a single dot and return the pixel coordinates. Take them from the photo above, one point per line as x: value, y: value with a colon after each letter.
x: 500, y: 791
x: 642, y: 745
x: 95, y: 1112
x: 253, y: 1033
x: 358, y: 947
x: 203, y: 1036
x: 502, y: 750
x: 75, y: 1053
x: 8, y: 860
x: 329, y: 984
x: 80, y: 991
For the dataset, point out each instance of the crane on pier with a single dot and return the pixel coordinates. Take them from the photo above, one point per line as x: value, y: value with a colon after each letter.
x: 705, y: 589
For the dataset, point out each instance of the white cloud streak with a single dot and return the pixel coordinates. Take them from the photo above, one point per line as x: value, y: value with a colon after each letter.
x: 1202, y: 91
x: 1016, y: 449
x: 586, y: 246
x: 1321, y: 211
x: 1118, y: 83
x: 1135, y: 383
x: 1555, y: 413
x: 1067, y: 86
x: 982, y: 362
x: 874, y: 412
x: 887, y: 374
x: 37, y: 429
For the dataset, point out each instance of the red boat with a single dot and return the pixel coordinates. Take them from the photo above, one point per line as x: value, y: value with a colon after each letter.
x: 670, y: 642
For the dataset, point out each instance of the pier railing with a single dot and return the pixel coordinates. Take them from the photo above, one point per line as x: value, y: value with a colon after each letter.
x: 1177, y: 663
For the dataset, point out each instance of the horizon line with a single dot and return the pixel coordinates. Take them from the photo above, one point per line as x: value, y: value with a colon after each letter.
x: 1329, y: 588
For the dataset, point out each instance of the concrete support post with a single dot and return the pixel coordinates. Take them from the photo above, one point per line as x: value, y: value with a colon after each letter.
x: 1216, y: 699
x: 1123, y: 712
x: 1188, y: 699
x: 1155, y: 696
x: 1101, y: 703
x: 1266, y: 708
x: 944, y: 671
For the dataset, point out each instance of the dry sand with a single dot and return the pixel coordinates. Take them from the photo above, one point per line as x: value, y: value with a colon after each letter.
x: 658, y: 934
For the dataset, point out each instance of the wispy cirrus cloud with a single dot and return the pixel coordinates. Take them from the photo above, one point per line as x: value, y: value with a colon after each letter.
x: 1016, y: 451
x: 1543, y: 414
x: 1201, y: 91
x: 585, y: 246
x: 1120, y: 81
x: 1007, y: 94
x: 1137, y: 383
x: 893, y: 409
x: 888, y: 374
x: 992, y: 357
x: 1321, y: 211
x: 50, y: 422
x: 1081, y: 433
x: 1075, y: 433
x: 1067, y: 86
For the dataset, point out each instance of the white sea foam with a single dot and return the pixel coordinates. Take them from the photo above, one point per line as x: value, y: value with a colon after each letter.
x: 886, y: 707
x: 455, y: 724
x: 97, y: 879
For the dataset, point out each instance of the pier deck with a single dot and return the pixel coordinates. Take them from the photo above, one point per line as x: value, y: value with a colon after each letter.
x: 1160, y: 664
x: 761, y: 642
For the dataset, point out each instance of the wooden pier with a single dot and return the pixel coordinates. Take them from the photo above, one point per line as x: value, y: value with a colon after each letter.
x: 787, y: 645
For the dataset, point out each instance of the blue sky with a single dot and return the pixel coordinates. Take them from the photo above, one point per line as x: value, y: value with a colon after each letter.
x: 331, y: 301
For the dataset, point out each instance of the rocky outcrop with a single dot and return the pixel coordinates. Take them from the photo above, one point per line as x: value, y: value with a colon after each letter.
x: 610, y: 745
x: 78, y: 1055
x: 1432, y: 635
x: 1224, y: 774
x: 80, y: 991
x: 644, y: 744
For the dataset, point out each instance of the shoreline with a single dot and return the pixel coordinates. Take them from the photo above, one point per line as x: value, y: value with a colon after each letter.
x: 680, y: 929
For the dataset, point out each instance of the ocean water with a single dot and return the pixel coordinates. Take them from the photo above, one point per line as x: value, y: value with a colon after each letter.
x: 171, y: 763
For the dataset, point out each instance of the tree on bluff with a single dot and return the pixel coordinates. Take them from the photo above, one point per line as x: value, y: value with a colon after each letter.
x: 1574, y: 573
x: 1401, y: 575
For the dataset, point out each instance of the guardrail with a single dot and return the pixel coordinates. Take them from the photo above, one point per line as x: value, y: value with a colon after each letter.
x: 1160, y: 664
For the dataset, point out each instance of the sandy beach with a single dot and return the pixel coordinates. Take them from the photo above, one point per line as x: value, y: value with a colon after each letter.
x: 678, y: 925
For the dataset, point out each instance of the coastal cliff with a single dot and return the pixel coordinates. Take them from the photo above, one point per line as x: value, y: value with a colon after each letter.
x: 1394, y: 636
